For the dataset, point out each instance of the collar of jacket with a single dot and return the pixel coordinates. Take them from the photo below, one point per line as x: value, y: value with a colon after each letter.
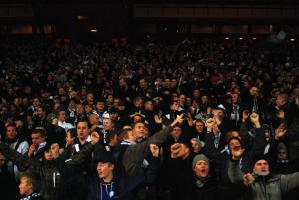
x: 267, y: 178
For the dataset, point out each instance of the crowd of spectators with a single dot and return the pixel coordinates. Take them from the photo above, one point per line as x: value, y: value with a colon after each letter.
x: 198, y: 119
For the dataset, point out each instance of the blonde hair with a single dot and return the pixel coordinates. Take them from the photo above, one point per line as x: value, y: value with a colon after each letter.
x: 30, y: 179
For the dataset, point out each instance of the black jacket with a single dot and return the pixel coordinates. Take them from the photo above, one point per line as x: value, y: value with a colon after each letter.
x: 48, y: 172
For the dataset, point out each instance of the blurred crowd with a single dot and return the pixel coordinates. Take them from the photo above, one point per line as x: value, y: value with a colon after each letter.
x: 198, y: 119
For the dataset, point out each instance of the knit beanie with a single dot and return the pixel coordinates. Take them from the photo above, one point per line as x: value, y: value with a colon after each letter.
x: 198, y: 158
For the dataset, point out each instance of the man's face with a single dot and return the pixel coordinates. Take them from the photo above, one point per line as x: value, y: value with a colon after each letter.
x: 88, y: 108
x: 90, y: 97
x: 182, y: 99
x: 40, y: 112
x: 196, y: 93
x: 279, y: 101
x: 110, y: 99
x: 36, y: 138
x: 201, y: 169
x: 11, y: 132
x: 93, y: 119
x: 48, y: 155
x: 235, y: 145
x: 105, y: 170
x: 267, y: 134
x: 139, y: 130
x: 82, y: 130
x: 100, y: 106
x: 149, y: 105
x: 254, y: 91
x: 108, y: 124
x: 261, y: 166
x: 24, y: 186
x: 72, y: 104
x: 122, y: 82
x: 137, y: 118
x: 142, y: 83
x: 282, y: 154
x: 235, y: 98
x: 175, y: 106
x: 195, y: 146
x: 79, y: 109
x: 61, y: 116
x: 199, y: 126
x: 19, y: 123
x: 138, y: 103
x: 176, y: 132
x: 69, y: 139
x: 35, y: 102
x: 166, y: 83
x: 173, y: 82
x: 204, y: 99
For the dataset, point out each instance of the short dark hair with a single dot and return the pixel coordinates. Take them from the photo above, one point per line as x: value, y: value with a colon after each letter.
x: 39, y: 130
x: 73, y: 132
x: 10, y: 124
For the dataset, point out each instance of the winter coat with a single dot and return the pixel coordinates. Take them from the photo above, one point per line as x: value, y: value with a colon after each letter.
x: 272, y: 187
x: 48, y: 172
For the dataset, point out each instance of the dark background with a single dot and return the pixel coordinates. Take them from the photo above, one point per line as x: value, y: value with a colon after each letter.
x: 135, y: 19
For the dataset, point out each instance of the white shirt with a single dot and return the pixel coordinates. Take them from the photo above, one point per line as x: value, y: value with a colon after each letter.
x: 65, y: 125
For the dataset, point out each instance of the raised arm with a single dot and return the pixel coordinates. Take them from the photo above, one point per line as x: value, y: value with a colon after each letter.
x: 135, y: 154
x: 82, y: 155
x: 22, y: 161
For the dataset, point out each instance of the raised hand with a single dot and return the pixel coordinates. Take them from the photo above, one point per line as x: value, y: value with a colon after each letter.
x: 189, y: 119
x: 95, y: 137
x: 210, y: 122
x: 32, y: 149
x: 254, y: 117
x: 245, y: 115
x: 178, y: 120
x: 175, y: 149
x: 280, y: 114
x: 248, y: 179
x: 158, y: 119
x: 280, y: 131
x: 154, y: 150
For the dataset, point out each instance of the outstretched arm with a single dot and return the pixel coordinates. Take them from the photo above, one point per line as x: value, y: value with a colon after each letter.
x: 19, y: 159
x: 135, y: 154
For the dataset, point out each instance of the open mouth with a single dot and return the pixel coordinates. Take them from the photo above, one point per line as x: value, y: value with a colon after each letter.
x: 237, y: 148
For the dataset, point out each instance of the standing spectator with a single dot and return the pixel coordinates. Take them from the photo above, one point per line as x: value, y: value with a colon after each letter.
x: 61, y: 116
x: 16, y: 143
x: 37, y: 148
x: 262, y: 180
